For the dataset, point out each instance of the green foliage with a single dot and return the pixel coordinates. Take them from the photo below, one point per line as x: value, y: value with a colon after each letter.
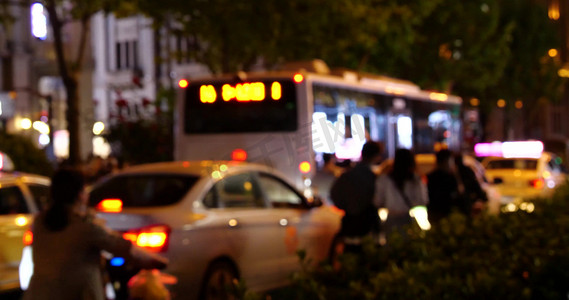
x: 25, y: 155
x: 511, y: 256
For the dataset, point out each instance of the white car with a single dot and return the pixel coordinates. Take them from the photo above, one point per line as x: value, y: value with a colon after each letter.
x: 21, y: 196
x: 216, y: 221
x: 427, y: 163
x: 522, y: 178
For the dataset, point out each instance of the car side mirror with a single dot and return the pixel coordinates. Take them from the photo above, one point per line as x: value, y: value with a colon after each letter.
x: 498, y: 180
x: 315, y: 201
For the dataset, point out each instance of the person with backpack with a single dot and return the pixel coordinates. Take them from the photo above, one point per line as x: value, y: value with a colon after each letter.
x: 353, y: 192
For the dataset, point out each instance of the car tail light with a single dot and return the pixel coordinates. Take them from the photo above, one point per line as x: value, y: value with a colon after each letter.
x: 153, y: 238
x: 110, y: 206
x: 28, y: 238
x: 537, y: 183
x: 239, y: 155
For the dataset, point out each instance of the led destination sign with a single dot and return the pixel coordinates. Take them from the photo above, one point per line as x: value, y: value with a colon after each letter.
x: 258, y: 105
x: 241, y: 92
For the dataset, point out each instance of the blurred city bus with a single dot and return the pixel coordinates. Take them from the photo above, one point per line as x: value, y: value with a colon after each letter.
x: 288, y: 119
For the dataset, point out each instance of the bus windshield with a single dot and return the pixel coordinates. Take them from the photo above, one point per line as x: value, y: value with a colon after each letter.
x: 237, y: 107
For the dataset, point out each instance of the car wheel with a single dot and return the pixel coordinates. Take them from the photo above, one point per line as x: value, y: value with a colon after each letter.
x: 219, y: 282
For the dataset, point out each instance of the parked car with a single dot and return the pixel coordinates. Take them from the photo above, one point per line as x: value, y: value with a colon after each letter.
x: 520, y: 179
x: 427, y: 163
x: 217, y: 221
x: 21, y: 196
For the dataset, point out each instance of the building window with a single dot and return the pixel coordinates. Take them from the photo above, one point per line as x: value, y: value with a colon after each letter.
x: 127, y: 55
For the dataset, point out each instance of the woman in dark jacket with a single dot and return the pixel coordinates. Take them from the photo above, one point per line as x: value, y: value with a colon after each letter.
x: 67, y: 245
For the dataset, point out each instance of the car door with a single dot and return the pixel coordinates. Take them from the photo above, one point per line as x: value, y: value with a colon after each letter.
x: 300, y: 227
x: 238, y: 216
x: 13, y: 220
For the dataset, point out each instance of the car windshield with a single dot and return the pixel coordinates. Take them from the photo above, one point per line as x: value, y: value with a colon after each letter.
x: 522, y: 164
x: 143, y: 190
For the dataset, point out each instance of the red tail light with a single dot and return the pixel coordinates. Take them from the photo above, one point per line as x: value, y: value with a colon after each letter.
x: 28, y: 238
x: 153, y: 238
x: 537, y: 183
x: 239, y: 155
x: 110, y: 206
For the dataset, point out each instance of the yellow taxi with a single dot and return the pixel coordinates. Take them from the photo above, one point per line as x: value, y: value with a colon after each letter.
x: 21, y: 196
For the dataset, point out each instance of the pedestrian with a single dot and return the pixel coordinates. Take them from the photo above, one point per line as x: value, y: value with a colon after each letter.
x: 354, y: 192
x: 472, y: 196
x: 67, y: 245
x: 325, y: 177
x: 442, y: 187
x: 400, y: 190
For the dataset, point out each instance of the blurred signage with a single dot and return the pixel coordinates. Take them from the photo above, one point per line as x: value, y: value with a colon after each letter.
x: 6, y: 106
x: 241, y: 92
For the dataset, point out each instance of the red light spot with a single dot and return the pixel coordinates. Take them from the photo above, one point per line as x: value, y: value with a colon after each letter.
x: 537, y: 183
x: 304, y: 167
x: 28, y: 238
x: 186, y: 164
x: 239, y: 155
x: 183, y: 83
x: 110, y: 205
x: 298, y: 78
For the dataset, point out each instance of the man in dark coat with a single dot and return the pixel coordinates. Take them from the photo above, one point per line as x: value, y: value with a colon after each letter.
x: 443, y: 188
x: 354, y: 191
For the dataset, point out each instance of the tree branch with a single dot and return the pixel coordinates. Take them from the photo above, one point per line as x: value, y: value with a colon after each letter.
x: 57, y: 25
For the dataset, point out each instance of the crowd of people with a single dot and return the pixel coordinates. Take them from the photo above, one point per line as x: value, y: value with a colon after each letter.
x: 360, y: 192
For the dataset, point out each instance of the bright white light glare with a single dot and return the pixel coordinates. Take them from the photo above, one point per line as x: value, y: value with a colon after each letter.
x: 323, y: 132
x: 101, y: 147
x: 0, y: 108
x: 551, y: 184
x: 26, y: 268
x: 43, y: 139
x: 511, y: 207
x: 61, y: 143
x: 26, y: 123
x: 405, y: 132
x: 21, y: 221
x: 283, y: 222
x: 41, y: 127
x: 383, y: 213
x: 307, y: 182
x: 98, y: 128
x: 421, y: 216
x: 39, y: 21
x: 531, y: 149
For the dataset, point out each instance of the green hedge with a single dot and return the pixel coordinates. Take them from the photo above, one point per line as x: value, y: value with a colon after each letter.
x: 25, y: 155
x: 511, y: 256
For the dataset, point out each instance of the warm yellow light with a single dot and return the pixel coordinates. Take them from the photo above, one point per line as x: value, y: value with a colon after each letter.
x: 250, y: 92
x: 227, y: 92
x: 438, y: 96
x: 553, y: 13
x: 21, y: 221
x: 276, y: 91
x: 207, y: 94
x: 383, y: 213
x: 501, y: 103
x: 248, y: 186
x: 552, y: 52
x: 563, y: 73
x: 98, y: 128
x: 474, y: 102
x: 26, y: 123
x: 394, y: 90
x: 183, y: 83
x: 519, y: 104
x: 546, y: 174
x: 233, y: 222
x: 216, y: 174
x: 41, y: 127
